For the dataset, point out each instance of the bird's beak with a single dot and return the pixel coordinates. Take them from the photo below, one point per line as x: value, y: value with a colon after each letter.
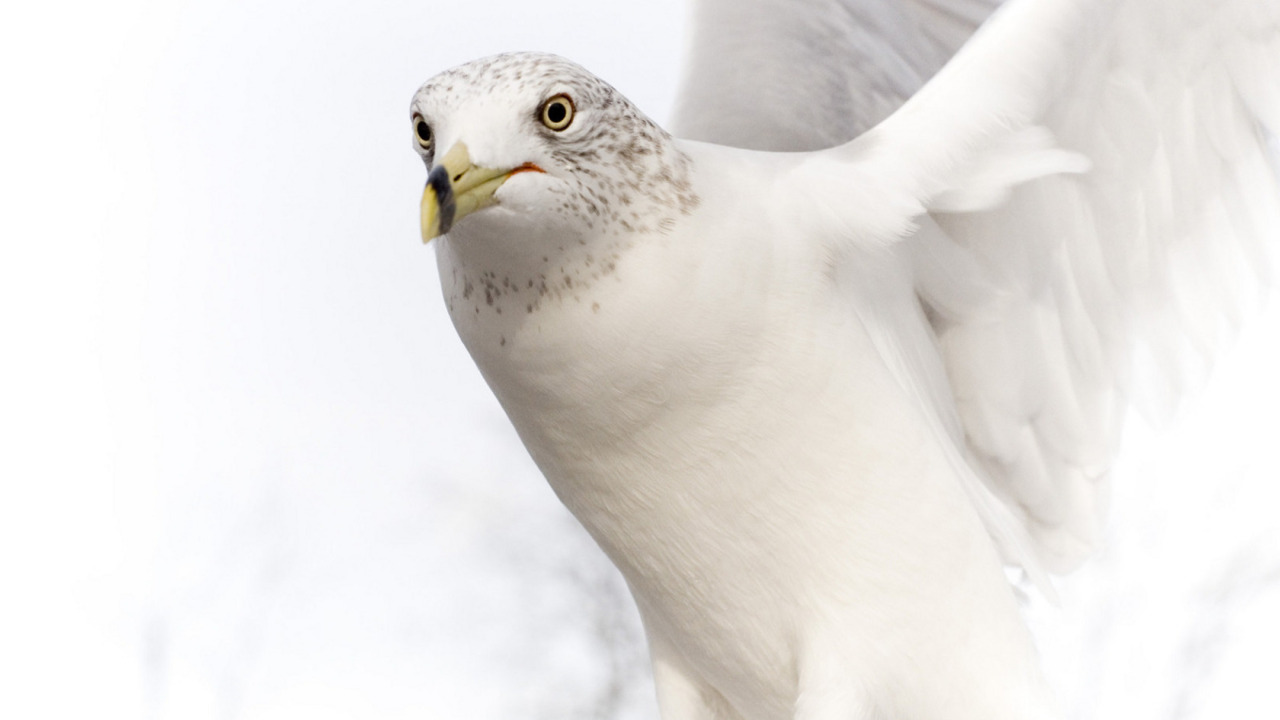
x: 456, y: 188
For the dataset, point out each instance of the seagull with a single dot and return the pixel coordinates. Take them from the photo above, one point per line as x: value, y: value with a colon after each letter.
x: 827, y: 366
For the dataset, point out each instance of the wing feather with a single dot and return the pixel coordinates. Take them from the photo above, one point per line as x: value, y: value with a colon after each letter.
x: 1107, y: 166
x: 1080, y: 201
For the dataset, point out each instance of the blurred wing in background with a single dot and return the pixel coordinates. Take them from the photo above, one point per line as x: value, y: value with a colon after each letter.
x: 1101, y: 196
x: 810, y: 75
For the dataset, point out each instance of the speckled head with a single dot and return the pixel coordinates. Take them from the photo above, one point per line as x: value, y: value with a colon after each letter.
x: 531, y: 143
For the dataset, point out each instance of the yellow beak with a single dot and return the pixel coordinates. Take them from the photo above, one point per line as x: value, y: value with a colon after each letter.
x: 456, y: 188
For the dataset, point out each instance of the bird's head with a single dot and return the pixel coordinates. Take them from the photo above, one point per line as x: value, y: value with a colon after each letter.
x: 539, y: 144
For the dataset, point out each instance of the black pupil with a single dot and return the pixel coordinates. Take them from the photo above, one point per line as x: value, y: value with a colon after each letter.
x: 424, y: 132
x: 556, y: 112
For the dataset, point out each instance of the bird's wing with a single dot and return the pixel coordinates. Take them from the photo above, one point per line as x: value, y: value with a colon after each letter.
x: 811, y: 74
x: 1081, y: 200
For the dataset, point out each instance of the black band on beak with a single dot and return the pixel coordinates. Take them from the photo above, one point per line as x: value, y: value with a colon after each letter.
x: 438, y: 181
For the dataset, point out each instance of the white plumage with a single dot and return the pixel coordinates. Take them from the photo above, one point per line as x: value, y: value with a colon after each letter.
x: 809, y: 402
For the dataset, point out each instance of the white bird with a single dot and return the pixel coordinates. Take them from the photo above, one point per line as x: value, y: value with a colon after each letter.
x: 811, y: 403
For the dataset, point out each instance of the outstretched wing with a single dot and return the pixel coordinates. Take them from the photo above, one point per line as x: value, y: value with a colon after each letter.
x: 811, y: 74
x: 1082, y: 198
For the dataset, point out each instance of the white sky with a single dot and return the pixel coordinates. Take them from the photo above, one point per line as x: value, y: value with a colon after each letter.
x: 248, y: 470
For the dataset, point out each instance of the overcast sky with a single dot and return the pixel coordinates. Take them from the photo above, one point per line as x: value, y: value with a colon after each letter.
x: 249, y: 471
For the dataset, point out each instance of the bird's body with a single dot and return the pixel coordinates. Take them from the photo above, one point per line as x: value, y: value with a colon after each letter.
x: 791, y: 395
x: 738, y: 529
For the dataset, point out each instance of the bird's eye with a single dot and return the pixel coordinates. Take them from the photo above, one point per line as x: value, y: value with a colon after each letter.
x: 557, y: 112
x: 422, y: 131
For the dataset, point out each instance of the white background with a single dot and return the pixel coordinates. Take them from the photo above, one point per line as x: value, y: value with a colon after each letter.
x: 248, y: 471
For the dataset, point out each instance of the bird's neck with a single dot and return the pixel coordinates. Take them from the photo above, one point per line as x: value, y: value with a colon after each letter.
x: 606, y: 332
x: 589, y: 345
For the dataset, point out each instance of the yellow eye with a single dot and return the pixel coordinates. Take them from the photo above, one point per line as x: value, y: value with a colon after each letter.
x: 557, y: 112
x: 422, y: 131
